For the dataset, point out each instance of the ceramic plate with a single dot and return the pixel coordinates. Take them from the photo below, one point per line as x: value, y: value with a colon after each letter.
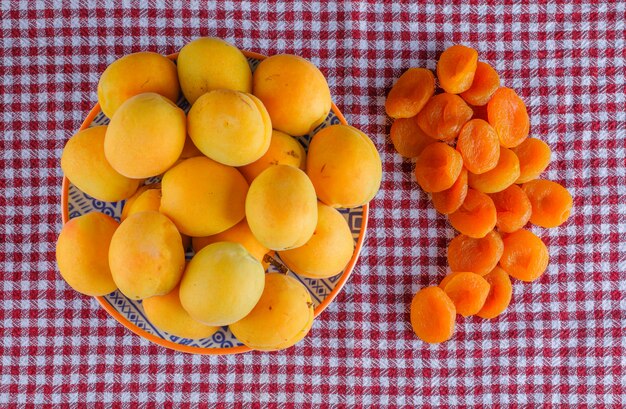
x: 130, y: 312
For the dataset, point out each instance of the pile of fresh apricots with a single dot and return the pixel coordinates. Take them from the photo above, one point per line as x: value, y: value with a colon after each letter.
x: 473, y: 155
x: 235, y: 185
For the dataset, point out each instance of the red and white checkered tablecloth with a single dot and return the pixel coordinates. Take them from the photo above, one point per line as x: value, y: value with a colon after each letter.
x: 562, y: 342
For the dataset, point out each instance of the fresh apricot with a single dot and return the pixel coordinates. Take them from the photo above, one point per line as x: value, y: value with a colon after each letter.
x: 294, y: 91
x: 82, y: 253
x: 499, y: 178
x: 146, y: 255
x: 344, y: 166
x: 508, y: 116
x: 479, y: 146
x: 534, y: 158
x: 443, y: 116
x: 410, y: 93
x: 283, y: 150
x: 456, y: 68
x: 408, y: 138
x: 486, y: 82
x: 479, y: 256
x: 477, y: 215
x: 468, y: 292
x: 135, y: 74
x: 84, y: 164
x: 432, y: 315
x: 551, y: 203
x: 500, y: 292
x: 449, y: 200
x: 513, y: 208
x: 210, y: 63
x: 525, y: 256
x: 438, y: 167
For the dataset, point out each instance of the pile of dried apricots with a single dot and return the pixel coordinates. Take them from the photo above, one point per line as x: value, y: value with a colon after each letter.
x: 473, y: 155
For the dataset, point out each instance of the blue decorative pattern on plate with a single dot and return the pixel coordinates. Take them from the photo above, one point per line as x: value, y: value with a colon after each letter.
x: 80, y: 203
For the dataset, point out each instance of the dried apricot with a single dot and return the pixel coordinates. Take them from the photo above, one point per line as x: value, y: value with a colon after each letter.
x: 468, y: 292
x: 499, y: 178
x: 486, y: 82
x: 551, y: 203
x: 508, y: 116
x: 408, y: 138
x: 477, y: 215
x: 443, y: 116
x: 479, y: 256
x: 500, y: 292
x: 534, y: 158
x: 479, y: 146
x: 456, y: 68
x: 432, y: 315
x: 446, y: 279
x: 449, y: 200
x: 438, y: 167
x: 525, y: 257
x: 410, y: 93
x: 512, y: 208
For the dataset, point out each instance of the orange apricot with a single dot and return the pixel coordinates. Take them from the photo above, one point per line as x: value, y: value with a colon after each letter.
x: 525, y: 256
x: 534, y: 158
x: 443, y: 116
x: 410, y: 93
x: 508, y: 116
x: 500, y: 292
x: 479, y: 146
x: 456, y: 68
x: 449, y: 200
x: 479, y: 256
x: 408, y: 138
x: 499, y: 178
x: 438, y: 167
x: 444, y: 281
x: 486, y: 82
x: 477, y: 215
x: 432, y: 315
x: 468, y: 292
x: 512, y: 209
x: 551, y: 203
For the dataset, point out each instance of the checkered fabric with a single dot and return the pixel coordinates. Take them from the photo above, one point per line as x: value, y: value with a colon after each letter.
x: 562, y: 341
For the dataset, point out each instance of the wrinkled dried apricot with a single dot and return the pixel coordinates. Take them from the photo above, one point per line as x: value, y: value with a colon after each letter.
x: 479, y: 146
x: 500, y: 292
x: 410, y: 93
x: 512, y: 209
x: 449, y: 200
x: 468, y: 292
x: 525, y: 256
x: 499, y: 178
x: 408, y: 138
x: 479, y: 256
x: 551, y: 203
x: 446, y: 279
x: 508, y: 116
x: 486, y: 82
x: 432, y: 315
x: 443, y: 116
x: 477, y: 215
x: 456, y: 68
x: 534, y: 158
x: 438, y: 167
